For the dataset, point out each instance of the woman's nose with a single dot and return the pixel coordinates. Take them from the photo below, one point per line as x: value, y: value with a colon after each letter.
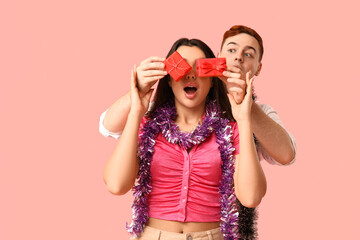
x: 190, y: 75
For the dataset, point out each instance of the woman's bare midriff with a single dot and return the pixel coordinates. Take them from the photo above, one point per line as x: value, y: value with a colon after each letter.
x: 181, y: 227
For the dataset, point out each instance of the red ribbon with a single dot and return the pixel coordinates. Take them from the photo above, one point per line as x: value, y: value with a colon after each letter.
x: 210, y: 66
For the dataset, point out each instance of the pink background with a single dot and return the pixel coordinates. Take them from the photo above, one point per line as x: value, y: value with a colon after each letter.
x: 62, y: 63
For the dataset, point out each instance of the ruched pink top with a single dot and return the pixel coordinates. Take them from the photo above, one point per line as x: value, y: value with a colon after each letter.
x: 185, y: 186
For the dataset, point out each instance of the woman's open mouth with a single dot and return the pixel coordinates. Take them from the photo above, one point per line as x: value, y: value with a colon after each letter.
x: 190, y: 92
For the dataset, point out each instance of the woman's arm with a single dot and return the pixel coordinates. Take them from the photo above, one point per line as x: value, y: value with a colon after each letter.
x: 122, y: 167
x: 249, y: 178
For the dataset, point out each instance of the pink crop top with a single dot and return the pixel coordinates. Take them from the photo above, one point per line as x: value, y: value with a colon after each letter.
x: 185, y: 186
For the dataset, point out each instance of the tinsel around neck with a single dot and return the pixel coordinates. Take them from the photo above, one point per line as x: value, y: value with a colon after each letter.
x: 166, y: 116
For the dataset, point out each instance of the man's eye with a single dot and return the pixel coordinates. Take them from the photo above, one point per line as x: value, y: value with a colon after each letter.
x: 231, y: 50
x: 248, y: 54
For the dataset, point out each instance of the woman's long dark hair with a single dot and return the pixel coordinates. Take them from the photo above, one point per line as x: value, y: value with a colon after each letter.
x: 164, y: 93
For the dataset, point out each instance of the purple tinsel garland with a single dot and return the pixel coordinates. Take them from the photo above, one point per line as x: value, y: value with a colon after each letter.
x: 163, y: 120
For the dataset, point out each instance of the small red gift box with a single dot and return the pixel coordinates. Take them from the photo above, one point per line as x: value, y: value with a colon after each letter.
x: 176, y: 66
x: 210, y: 67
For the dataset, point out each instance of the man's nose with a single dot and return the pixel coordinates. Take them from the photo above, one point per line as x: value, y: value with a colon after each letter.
x: 239, y: 58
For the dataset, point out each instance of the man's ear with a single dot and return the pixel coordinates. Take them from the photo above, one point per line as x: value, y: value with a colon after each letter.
x: 258, y: 70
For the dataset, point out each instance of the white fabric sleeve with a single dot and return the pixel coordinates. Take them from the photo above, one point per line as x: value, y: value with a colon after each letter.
x: 107, y: 133
x: 104, y: 131
x: 263, y: 155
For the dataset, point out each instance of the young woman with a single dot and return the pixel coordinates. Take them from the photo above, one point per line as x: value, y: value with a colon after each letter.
x: 243, y: 49
x: 193, y: 155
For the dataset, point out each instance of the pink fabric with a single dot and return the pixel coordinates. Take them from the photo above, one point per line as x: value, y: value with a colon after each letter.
x: 185, y: 186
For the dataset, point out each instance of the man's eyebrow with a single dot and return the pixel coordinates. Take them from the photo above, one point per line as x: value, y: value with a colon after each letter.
x: 232, y: 43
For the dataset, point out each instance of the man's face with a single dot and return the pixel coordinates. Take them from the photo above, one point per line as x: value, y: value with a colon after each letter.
x: 242, y: 51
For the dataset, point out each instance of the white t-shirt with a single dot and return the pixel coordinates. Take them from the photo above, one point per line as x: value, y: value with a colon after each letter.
x: 263, y: 155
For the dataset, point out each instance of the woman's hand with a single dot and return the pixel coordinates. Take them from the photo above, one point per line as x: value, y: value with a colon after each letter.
x: 234, y: 84
x: 149, y: 72
x: 242, y: 111
x: 139, y: 104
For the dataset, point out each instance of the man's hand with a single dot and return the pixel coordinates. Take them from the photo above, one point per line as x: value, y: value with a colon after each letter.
x: 234, y: 84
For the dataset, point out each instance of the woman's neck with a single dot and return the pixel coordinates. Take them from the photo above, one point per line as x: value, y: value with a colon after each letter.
x: 188, y: 118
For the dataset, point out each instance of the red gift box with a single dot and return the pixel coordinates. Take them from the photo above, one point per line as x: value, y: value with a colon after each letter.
x: 176, y: 66
x: 210, y: 67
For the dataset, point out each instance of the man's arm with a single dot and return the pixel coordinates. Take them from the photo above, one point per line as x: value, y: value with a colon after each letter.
x: 148, y: 73
x: 273, y: 138
x: 116, y: 115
